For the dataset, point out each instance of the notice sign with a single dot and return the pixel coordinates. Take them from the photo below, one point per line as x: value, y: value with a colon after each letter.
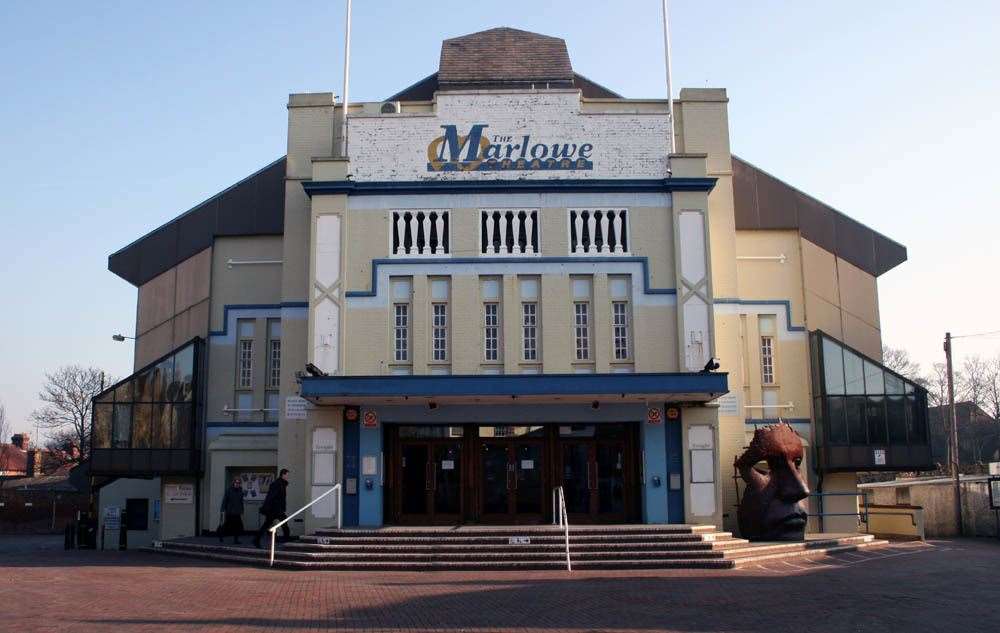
x: 296, y: 408
x: 519, y: 540
x: 112, y: 518
x: 654, y: 415
x: 447, y: 464
x: 880, y: 457
x: 527, y: 464
x: 370, y: 419
x: 178, y: 493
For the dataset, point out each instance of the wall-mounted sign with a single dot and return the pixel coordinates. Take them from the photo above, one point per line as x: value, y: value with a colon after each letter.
x: 112, y: 518
x: 351, y: 414
x: 370, y: 419
x: 369, y: 465
x: 879, y: 456
x: 447, y: 464
x: 519, y: 540
x: 296, y: 408
x: 178, y: 493
x: 673, y: 413
x: 479, y: 150
x: 654, y: 415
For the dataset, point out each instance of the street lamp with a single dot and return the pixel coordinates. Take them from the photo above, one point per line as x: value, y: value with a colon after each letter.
x: 121, y: 337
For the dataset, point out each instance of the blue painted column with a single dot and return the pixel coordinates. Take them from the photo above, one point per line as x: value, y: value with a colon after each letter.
x: 654, y: 486
x: 675, y: 470
x: 370, y: 485
x: 352, y: 468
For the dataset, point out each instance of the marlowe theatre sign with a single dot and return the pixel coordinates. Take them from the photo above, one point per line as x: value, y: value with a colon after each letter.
x: 521, y: 136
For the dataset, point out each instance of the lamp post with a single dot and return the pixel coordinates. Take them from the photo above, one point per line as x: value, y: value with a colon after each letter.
x: 121, y: 338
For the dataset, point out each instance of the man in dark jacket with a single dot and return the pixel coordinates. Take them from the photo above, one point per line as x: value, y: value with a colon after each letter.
x: 274, y: 507
x: 232, y: 510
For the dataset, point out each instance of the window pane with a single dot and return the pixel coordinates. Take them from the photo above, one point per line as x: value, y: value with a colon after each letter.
x: 182, y: 426
x: 833, y: 367
x: 855, y: 414
x: 183, y: 375
x: 874, y: 379
x: 144, y: 386
x: 122, y: 426
x: 854, y: 374
x: 893, y: 384
x: 274, y: 328
x: 160, y: 427
x: 836, y: 422
x: 875, y: 412
x: 102, y: 426
x: 123, y: 392
x: 896, y: 416
x: 163, y: 374
x: 917, y: 418
x: 140, y: 425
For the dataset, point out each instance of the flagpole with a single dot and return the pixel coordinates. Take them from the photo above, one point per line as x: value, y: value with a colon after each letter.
x: 666, y: 55
x: 347, y: 78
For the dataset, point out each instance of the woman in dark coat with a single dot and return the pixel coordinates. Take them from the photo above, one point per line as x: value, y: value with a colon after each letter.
x: 274, y: 507
x: 232, y: 510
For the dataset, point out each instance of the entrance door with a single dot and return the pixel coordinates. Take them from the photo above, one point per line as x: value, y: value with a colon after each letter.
x: 430, y: 470
x: 512, y: 474
x: 595, y: 472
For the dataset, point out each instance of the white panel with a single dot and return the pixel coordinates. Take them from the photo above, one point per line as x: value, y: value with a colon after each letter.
x: 324, y: 469
x: 530, y: 370
x: 244, y: 401
x: 702, y: 466
x: 325, y: 508
x: 440, y: 371
x: 700, y: 436
x: 623, y: 369
x: 765, y: 323
x: 696, y: 333
x: 326, y: 325
x: 529, y: 288
x: 324, y: 439
x: 246, y: 328
x: 702, y: 499
x: 491, y: 371
x: 401, y: 371
x: 770, y: 396
x: 491, y: 289
x: 581, y: 288
x: 439, y: 289
x: 401, y: 289
x: 583, y: 370
x: 692, y: 245
x: 503, y: 200
x: 618, y: 287
x: 327, y: 249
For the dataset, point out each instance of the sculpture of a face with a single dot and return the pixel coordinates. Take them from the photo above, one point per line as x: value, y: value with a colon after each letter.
x: 772, y: 507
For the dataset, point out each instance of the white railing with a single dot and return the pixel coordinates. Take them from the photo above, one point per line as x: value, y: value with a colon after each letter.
x: 508, y: 231
x: 598, y: 231
x: 340, y: 507
x: 560, y: 518
x: 420, y: 233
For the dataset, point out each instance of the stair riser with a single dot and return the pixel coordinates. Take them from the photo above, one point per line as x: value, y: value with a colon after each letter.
x: 531, y: 531
x: 503, y: 542
x: 471, y: 557
x: 508, y: 549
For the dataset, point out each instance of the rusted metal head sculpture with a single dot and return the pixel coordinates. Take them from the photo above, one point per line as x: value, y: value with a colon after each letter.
x: 772, y: 507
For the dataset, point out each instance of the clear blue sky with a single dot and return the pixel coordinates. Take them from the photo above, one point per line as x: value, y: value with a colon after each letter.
x: 116, y: 117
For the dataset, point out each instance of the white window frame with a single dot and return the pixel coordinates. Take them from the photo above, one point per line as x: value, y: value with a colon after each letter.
x: 621, y: 330
x: 439, y: 332
x: 401, y: 332
x: 582, y: 331
x: 244, y: 364
x: 768, y: 375
x: 529, y: 324
x: 492, y: 328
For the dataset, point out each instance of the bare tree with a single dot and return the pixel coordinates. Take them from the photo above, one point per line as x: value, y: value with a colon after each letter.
x: 898, y: 360
x: 4, y: 437
x: 993, y: 388
x: 67, y: 393
x: 976, y: 377
x: 937, y: 384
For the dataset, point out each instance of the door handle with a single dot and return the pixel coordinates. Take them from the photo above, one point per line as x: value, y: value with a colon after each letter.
x: 590, y: 486
x: 594, y: 487
x: 428, y: 478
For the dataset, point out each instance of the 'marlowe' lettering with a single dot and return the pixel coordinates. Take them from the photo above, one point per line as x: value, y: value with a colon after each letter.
x: 475, y: 152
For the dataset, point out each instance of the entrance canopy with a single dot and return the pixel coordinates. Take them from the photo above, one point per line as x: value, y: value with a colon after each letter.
x: 662, y: 387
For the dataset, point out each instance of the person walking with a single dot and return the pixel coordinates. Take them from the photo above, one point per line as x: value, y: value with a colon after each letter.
x: 232, y: 511
x: 274, y: 507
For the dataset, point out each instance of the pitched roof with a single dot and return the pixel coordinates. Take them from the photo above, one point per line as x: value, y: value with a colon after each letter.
x: 424, y: 89
x: 12, y: 458
x: 504, y: 56
x: 764, y: 202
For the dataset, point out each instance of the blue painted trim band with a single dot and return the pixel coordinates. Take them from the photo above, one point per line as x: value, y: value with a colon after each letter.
x: 767, y: 302
x: 646, y: 289
x: 766, y: 421
x: 651, y: 185
x: 252, y: 306
x: 242, y: 425
x: 712, y: 385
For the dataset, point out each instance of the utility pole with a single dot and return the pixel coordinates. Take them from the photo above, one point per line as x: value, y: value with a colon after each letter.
x: 956, y: 482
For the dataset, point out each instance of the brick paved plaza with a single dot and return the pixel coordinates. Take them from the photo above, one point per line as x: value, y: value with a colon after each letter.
x: 937, y: 586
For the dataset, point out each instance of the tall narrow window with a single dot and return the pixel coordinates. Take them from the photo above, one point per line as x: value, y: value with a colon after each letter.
x: 274, y: 353
x: 619, y: 287
x: 244, y: 354
x: 581, y: 317
x: 440, y: 292
x: 401, y: 297
x: 766, y: 325
x: 491, y: 319
x: 529, y: 287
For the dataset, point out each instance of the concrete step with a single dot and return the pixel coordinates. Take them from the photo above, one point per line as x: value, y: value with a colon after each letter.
x: 538, y: 538
x: 511, y: 530
x: 557, y: 546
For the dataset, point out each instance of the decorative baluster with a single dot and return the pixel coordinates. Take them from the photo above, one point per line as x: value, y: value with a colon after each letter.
x: 578, y: 225
x: 515, y: 246
x: 591, y: 229
x: 618, y: 230
x: 605, y: 242
x: 413, y: 249
x: 400, y: 234
x: 529, y: 224
x: 489, y: 233
x: 439, y: 232
x: 425, y: 220
x: 503, y: 233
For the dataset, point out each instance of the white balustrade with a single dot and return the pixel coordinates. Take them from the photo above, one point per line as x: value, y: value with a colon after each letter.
x: 598, y: 231
x: 420, y: 233
x: 509, y: 232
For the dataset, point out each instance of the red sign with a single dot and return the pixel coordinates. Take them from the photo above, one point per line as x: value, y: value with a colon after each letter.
x: 673, y: 413
x: 370, y: 420
x: 653, y: 416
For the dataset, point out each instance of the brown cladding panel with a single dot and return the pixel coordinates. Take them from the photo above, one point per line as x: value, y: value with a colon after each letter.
x: 776, y: 203
x: 816, y: 223
x: 745, y: 195
x: 855, y: 243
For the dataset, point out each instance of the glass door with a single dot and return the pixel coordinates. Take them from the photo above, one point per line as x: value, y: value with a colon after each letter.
x: 595, y: 473
x: 528, y: 481
x: 446, y: 493
x: 496, y: 480
x: 576, y: 477
x: 414, y: 484
x: 609, y: 476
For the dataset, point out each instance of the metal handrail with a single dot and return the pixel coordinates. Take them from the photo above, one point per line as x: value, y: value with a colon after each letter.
x: 559, y: 514
x: 340, y: 506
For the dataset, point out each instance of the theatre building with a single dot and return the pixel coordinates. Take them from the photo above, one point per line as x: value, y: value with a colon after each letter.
x: 503, y: 280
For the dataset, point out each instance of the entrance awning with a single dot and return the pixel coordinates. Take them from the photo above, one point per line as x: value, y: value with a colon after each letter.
x: 660, y: 387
